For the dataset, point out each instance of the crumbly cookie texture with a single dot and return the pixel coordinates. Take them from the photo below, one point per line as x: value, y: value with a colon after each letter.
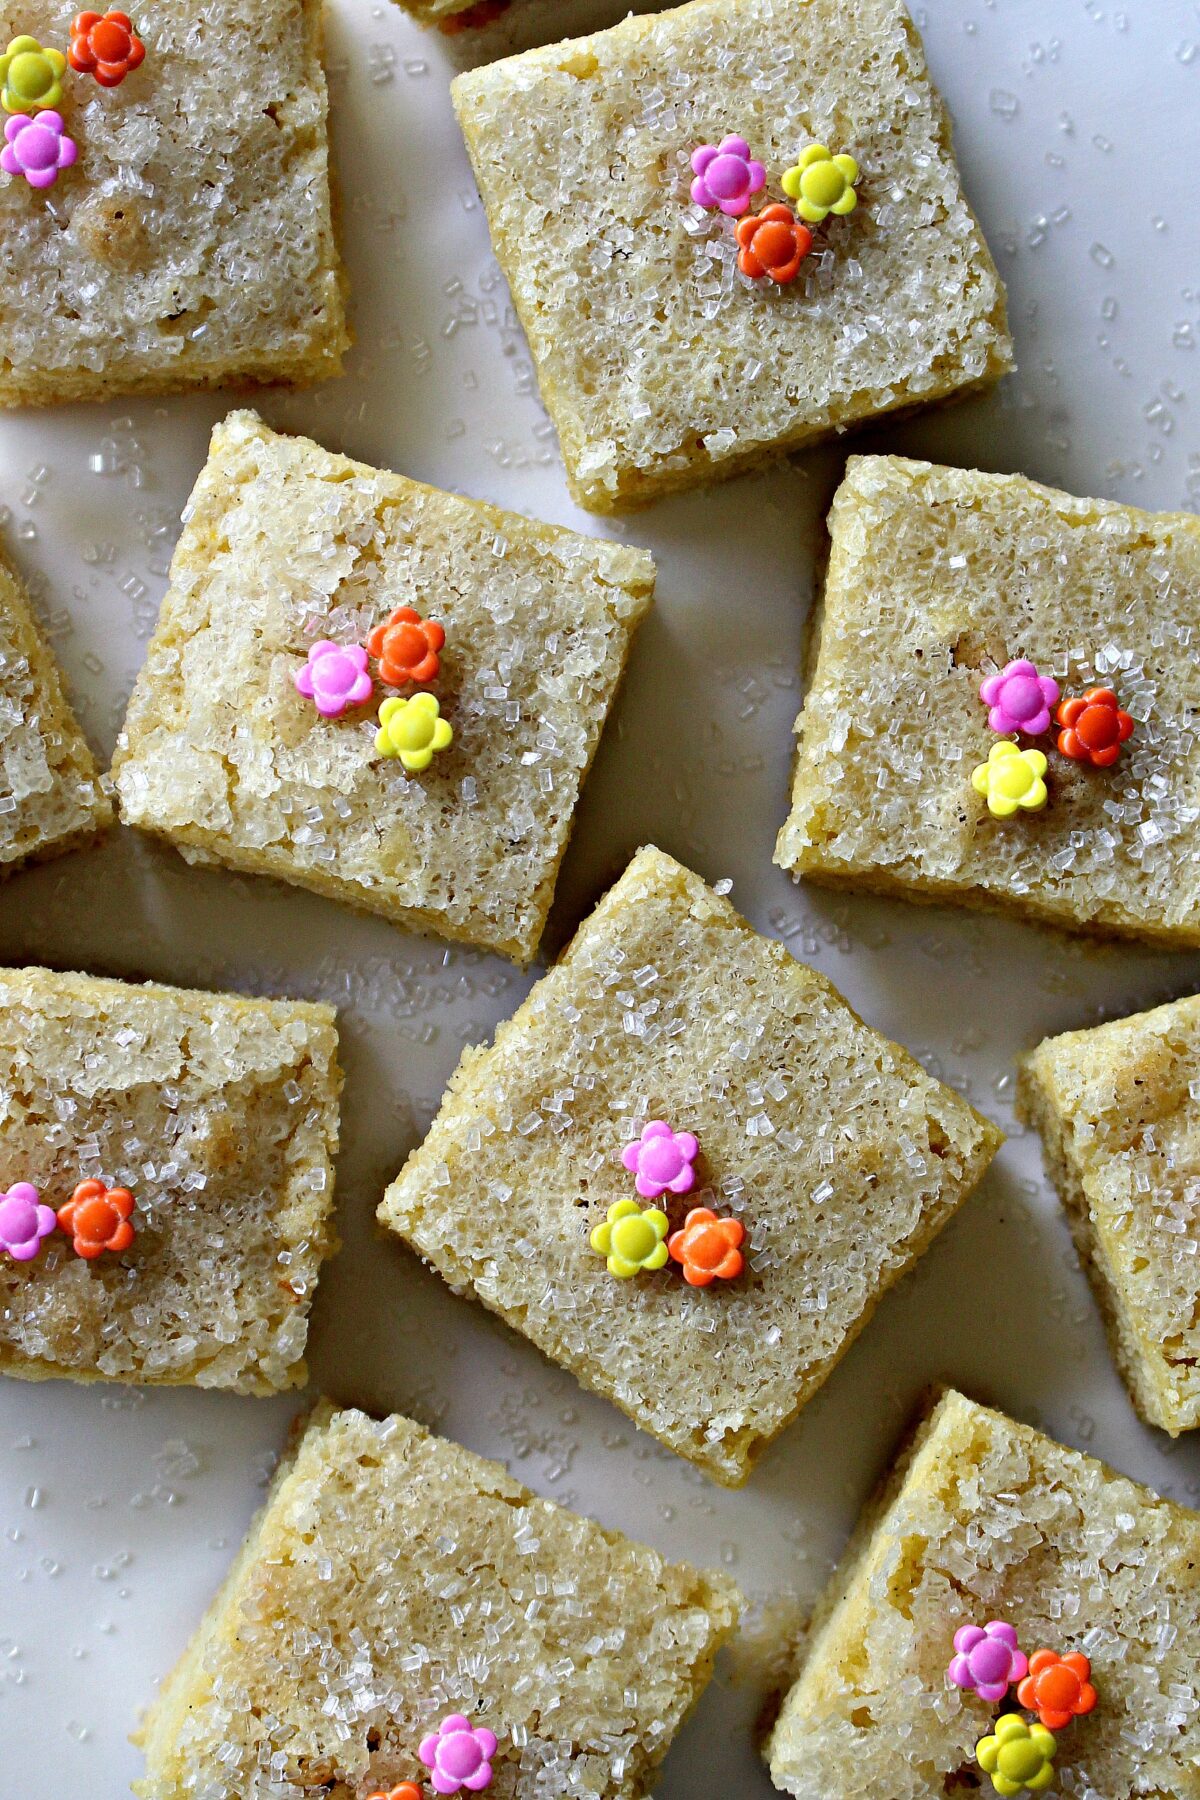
x: 191, y: 244
x: 51, y: 797
x: 393, y: 1578
x: 677, y: 371
x: 840, y: 1155
x: 937, y: 578
x: 220, y: 1115
x: 985, y: 1519
x: 1119, y: 1116
x: 286, y: 544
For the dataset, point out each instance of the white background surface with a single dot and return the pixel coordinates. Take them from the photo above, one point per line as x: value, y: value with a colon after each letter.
x: 120, y: 1508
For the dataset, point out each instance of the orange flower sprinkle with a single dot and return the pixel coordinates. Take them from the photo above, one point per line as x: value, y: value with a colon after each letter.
x: 1057, y: 1688
x: 1094, y: 728
x: 407, y: 647
x: 407, y: 1790
x: 106, y: 46
x: 708, y: 1247
x: 97, y: 1218
x: 772, y: 243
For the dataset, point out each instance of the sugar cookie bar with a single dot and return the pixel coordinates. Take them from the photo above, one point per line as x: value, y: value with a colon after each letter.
x: 189, y: 241
x: 678, y: 368
x: 1118, y: 1109
x: 940, y: 581
x: 672, y: 1034
x: 394, y: 1582
x: 290, y: 552
x: 983, y: 1521
x: 201, y: 1129
x: 51, y: 796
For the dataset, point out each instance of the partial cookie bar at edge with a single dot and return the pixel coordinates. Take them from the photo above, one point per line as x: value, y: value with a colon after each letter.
x: 1118, y: 1111
x: 984, y: 1519
x: 219, y: 1115
x: 585, y: 1650
x: 191, y: 244
x: 52, y: 797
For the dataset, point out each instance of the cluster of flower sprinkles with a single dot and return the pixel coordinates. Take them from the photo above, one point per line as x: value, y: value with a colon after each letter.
x: 774, y: 242
x: 407, y: 649
x: 1021, y: 702
x: 632, y: 1239
x: 96, y: 1219
x: 1019, y: 1753
x: 458, y: 1756
x: 36, y: 144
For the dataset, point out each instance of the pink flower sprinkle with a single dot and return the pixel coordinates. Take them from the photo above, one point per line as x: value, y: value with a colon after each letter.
x: 662, y: 1159
x: 459, y: 1755
x: 37, y: 148
x: 1020, y: 699
x: 335, y: 677
x: 726, y: 176
x: 24, y: 1221
x: 988, y: 1661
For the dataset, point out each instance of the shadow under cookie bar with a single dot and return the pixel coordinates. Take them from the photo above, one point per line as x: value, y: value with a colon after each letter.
x: 937, y: 579
x: 287, y: 547
x: 984, y: 1519
x: 482, y: 30
x: 1117, y: 1110
x: 394, y: 1580
x: 218, y: 1118
x: 190, y: 244
x: 838, y: 1155
x: 51, y: 795
x: 678, y: 370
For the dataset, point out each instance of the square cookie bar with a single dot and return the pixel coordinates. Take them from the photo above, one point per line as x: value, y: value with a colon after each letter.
x: 393, y: 1581
x: 679, y: 369
x: 189, y: 243
x: 938, y: 580
x: 202, y: 1126
x: 51, y: 797
x: 287, y: 548
x: 834, y: 1153
x: 1118, y: 1109
x: 985, y: 1520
